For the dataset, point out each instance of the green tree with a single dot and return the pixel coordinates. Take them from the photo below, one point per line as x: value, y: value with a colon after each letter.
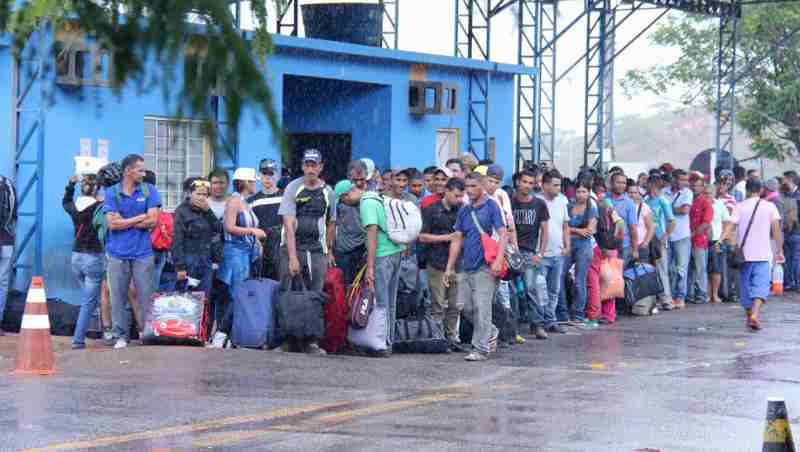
x: 768, y: 60
x: 136, y: 31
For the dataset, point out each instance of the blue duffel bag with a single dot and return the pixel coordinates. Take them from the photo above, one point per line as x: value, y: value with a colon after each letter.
x: 254, y: 314
x: 641, y: 281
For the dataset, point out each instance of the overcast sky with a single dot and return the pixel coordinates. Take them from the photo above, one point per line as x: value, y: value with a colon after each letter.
x: 428, y: 26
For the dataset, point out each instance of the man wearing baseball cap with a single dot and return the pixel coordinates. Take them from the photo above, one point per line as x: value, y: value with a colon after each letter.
x: 308, y: 209
x: 265, y: 205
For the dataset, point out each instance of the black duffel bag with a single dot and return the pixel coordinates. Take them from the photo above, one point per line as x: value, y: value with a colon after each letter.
x: 641, y: 281
x: 419, y: 334
x: 300, y: 311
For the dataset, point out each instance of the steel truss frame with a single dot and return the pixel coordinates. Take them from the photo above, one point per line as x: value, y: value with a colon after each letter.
x: 29, y: 97
x: 473, y: 40
x: 725, y: 109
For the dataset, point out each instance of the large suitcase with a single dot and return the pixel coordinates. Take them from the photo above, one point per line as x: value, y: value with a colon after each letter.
x: 176, y: 318
x: 371, y: 338
x: 336, y: 312
x: 419, y: 335
x: 254, y: 324
x: 642, y: 286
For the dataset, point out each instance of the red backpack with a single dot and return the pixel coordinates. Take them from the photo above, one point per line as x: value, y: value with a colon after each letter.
x: 161, y: 235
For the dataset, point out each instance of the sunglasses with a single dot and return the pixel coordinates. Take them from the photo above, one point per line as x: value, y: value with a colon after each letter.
x: 201, y: 184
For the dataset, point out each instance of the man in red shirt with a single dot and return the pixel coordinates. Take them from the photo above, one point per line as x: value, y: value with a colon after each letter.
x: 440, y: 177
x: 700, y: 216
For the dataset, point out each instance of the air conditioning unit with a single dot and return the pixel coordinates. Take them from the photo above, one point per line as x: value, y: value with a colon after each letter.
x: 432, y: 98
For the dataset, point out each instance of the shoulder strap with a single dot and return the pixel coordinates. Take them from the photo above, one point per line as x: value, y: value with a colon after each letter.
x: 750, y: 224
x: 639, y: 211
x: 475, y: 220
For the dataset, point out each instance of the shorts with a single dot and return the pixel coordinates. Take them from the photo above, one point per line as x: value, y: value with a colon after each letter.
x: 755, y: 283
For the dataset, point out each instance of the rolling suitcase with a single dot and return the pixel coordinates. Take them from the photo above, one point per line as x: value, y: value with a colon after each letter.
x: 254, y: 320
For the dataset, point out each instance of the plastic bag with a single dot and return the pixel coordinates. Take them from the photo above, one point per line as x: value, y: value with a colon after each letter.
x: 612, y: 284
x: 176, y: 318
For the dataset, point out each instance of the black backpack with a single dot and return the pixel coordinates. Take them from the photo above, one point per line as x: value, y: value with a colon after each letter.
x: 605, y: 235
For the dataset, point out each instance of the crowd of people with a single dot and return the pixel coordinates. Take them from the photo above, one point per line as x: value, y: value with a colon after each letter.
x: 557, y: 230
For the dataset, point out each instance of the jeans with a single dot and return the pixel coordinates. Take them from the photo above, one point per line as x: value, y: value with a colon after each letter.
x: 88, y: 269
x: 536, y: 297
x: 199, y: 267
x: 698, y: 283
x: 503, y: 294
x: 120, y: 273
x: 581, y: 256
x: 552, y: 270
x: 387, y: 282
x: 475, y: 291
x: 791, y: 249
x: 679, y: 253
x: 662, y: 266
x: 159, y: 260
x: 6, y: 261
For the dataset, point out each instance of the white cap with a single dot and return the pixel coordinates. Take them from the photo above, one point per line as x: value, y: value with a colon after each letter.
x: 246, y: 174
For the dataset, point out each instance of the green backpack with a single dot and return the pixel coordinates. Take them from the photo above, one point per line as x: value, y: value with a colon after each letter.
x: 99, y: 222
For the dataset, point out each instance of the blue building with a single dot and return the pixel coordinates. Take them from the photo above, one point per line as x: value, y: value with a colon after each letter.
x: 398, y: 108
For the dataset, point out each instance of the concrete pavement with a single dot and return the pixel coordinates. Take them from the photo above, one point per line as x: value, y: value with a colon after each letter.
x: 692, y: 380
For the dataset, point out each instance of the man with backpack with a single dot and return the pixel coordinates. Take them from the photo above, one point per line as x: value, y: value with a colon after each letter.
x: 664, y: 220
x: 8, y: 226
x: 88, y: 264
x: 308, y: 209
x: 131, y: 209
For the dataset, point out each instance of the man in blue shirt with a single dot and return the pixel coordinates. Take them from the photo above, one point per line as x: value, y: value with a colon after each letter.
x: 665, y: 224
x: 478, y: 283
x: 626, y: 209
x: 131, y: 209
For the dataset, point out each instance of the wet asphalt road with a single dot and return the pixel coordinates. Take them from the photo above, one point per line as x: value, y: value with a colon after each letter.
x: 692, y: 380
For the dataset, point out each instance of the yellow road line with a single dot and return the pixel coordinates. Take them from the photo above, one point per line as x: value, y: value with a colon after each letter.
x: 230, y: 438
x: 189, y: 428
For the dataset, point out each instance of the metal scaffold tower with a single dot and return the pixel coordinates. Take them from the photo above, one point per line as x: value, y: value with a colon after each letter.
x: 547, y: 15
x: 473, y: 40
x: 725, y: 109
x: 29, y: 97
x: 596, y: 97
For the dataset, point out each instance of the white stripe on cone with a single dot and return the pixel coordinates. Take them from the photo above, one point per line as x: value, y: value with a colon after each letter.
x: 35, y: 322
x: 36, y: 296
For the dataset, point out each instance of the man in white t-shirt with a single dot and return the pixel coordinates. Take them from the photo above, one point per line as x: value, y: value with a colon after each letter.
x: 558, y: 246
x: 680, y: 242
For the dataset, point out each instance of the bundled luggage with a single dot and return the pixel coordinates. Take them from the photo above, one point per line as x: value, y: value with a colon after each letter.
x: 419, y: 333
x: 176, y: 318
x: 336, y: 312
x: 642, y: 287
x: 367, y: 326
x: 254, y: 314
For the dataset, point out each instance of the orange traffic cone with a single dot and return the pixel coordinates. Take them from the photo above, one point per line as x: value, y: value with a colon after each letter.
x: 34, y: 346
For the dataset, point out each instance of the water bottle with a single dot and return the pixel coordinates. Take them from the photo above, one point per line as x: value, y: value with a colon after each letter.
x: 777, y: 279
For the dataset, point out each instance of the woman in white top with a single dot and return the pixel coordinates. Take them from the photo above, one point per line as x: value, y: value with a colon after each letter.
x: 646, y: 228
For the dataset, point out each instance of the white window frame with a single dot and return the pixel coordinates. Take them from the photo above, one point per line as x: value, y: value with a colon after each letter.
x: 153, y: 149
x: 452, y: 143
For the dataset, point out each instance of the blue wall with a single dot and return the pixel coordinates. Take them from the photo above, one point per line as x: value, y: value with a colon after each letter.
x: 367, y: 97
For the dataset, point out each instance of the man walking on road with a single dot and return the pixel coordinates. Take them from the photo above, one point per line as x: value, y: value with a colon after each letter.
x: 757, y: 221
x: 131, y: 209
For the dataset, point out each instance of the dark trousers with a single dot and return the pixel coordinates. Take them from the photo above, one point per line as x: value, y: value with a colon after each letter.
x: 351, y: 262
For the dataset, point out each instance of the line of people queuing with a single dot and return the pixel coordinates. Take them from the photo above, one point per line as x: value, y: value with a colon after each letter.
x: 561, y: 229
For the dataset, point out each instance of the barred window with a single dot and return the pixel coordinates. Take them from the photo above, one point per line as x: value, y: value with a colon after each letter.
x: 174, y: 150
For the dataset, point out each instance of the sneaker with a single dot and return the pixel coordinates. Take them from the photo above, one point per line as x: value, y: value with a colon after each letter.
x: 539, y: 332
x: 605, y: 322
x: 78, y: 346
x: 382, y: 354
x: 476, y: 356
x: 557, y: 329
x: 667, y: 306
x: 121, y: 343
x: 458, y: 347
x: 587, y: 324
x: 679, y: 304
x: 219, y: 340
x: 520, y: 340
x: 108, y: 338
x: 313, y: 349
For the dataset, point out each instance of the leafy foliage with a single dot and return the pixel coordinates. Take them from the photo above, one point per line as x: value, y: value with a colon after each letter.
x: 138, y: 32
x: 768, y: 71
